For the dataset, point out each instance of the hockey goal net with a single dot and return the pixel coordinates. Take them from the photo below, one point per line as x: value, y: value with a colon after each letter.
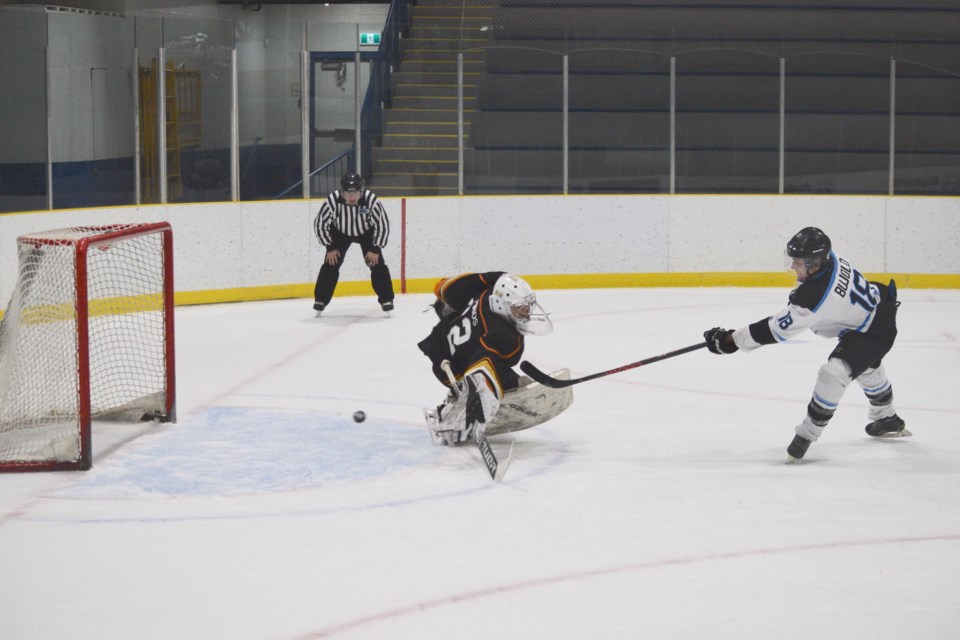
x: 88, y: 335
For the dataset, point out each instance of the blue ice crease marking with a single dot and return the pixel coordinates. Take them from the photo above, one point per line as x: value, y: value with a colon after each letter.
x: 229, y: 451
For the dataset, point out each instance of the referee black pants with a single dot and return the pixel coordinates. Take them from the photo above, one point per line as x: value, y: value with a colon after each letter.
x: 330, y: 274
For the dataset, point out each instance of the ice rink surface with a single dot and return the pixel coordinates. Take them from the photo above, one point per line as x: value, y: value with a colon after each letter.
x: 658, y: 506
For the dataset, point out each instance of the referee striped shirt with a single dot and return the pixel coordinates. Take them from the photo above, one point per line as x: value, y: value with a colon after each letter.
x: 354, y: 221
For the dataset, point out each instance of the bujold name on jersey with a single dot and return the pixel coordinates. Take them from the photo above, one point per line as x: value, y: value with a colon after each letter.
x: 843, y: 280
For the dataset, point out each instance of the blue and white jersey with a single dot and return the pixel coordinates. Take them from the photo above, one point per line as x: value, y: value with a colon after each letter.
x: 834, y: 301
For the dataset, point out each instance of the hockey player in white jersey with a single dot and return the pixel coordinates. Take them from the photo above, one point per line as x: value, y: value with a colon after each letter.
x: 833, y: 300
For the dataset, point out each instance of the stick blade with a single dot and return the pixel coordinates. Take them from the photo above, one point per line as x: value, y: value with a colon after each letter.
x: 504, y: 463
x: 486, y: 453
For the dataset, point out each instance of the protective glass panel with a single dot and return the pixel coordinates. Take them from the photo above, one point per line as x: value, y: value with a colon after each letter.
x: 728, y: 122
x: 91, y: 98
x: 23, y: 110
x: 149, y: 39
x: 837, y: 124
x: 927, y: 131
x: 336, y: 92
x: 198, y: 93
x: 378, y: 115
x: 513, y: 126
x: 619, y: 122
x: 270, y: 96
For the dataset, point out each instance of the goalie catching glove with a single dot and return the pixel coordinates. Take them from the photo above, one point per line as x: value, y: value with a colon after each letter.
x: 455, y: 421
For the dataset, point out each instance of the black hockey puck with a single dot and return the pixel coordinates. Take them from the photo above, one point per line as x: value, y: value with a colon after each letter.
x: 359, y: 416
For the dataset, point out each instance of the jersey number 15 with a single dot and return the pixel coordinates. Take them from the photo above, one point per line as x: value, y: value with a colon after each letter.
x: 864, y: 294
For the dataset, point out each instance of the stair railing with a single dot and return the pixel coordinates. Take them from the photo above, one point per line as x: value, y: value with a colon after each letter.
x: 329, y: 172
x: 379, y: 90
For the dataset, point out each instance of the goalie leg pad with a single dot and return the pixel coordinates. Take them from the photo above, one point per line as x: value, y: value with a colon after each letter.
x: 530, y: 405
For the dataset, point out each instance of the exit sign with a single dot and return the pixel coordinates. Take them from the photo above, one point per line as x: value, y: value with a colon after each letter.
x: 370, y: 38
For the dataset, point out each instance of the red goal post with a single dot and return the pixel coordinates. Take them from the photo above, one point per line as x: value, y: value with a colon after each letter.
x: 88, y: 336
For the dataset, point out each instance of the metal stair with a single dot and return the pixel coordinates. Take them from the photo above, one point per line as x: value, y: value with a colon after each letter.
x: 418, y: 155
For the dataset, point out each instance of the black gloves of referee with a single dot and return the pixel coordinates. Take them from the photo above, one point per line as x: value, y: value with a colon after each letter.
x: 720, y: 341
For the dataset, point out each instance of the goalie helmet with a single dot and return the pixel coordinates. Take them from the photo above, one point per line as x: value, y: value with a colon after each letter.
x: 512, y: 298
x: 351, y: 181
x: 810, y: 245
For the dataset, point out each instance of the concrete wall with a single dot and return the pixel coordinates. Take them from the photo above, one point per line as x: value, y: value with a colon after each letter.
x: 262, y: 250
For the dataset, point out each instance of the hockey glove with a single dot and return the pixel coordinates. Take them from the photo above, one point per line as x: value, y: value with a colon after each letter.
x: 476, y: 404
x: 474, y: 414
x: 720, y: 341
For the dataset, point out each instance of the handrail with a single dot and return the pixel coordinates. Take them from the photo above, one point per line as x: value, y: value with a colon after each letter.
x: 379, y: 90
x: 343, y: 159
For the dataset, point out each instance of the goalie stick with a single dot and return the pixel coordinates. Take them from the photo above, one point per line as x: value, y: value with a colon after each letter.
x: 480, y: 436
x: 548, y: 381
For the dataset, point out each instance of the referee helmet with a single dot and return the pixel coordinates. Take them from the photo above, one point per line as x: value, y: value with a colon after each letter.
x: 351, y: 182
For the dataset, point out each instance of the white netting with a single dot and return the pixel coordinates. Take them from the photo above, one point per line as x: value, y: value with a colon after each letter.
x: 39, y: 369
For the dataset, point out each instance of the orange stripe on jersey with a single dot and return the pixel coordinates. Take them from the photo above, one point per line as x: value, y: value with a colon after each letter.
x: 440, y: 289
x: 439, y: 286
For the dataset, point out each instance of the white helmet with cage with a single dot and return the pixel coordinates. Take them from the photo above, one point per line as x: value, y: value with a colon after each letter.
x: 512, y: 298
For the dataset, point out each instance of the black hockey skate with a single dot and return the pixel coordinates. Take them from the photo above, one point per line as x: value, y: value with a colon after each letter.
x: 318, y: 307
x: 797, y: 449
x: 892, y: 427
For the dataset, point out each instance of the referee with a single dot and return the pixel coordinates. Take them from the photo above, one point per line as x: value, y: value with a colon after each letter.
x: 350, y: 215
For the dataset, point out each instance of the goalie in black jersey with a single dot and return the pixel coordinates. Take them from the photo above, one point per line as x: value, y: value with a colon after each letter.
x: 833, y: 300
x: 484, y: 318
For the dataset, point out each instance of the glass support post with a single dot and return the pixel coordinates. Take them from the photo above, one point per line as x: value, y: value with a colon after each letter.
x: 234, y: 129
x: 306, y: 142
x: 783, y: 119
x: 162, y: 122
x: 673, y: 125
x: 357, y: 108
x: 893, y: 122
x: 49, y: 167
x: 137, y: 186
x: 566, y: 124
x: 460, y: 123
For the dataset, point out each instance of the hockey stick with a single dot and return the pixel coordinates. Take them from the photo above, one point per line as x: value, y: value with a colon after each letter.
x: 479, y: 434
x: 547, y: 381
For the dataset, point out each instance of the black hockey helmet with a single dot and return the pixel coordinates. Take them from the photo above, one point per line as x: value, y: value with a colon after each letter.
x: 810, y: 245
x: 351, y: 182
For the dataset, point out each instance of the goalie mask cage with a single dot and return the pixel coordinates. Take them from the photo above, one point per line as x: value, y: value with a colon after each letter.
x: 88, y: 335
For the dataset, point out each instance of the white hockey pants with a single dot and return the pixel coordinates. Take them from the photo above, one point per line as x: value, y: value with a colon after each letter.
x: 832, y: 381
